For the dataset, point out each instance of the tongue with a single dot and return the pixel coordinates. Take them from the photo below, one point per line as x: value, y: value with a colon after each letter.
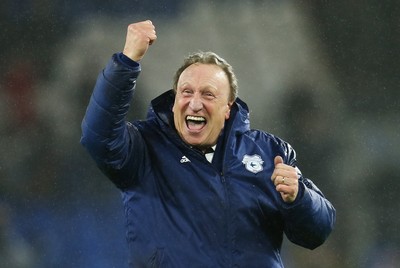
x: 195, y: 126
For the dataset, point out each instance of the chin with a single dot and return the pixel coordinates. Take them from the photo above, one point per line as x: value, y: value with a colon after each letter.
x: 193, y: 142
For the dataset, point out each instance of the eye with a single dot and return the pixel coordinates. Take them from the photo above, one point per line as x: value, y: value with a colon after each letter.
x: 209, y: 95
x: 186, y: 91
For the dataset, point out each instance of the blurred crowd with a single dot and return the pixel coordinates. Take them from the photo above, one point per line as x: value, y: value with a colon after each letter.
x: 336, y: 100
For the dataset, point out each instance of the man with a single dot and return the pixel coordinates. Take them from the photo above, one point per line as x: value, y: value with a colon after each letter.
x: 186, y: 206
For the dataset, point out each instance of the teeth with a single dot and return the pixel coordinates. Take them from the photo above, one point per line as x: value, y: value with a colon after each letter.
x: 195, y: 118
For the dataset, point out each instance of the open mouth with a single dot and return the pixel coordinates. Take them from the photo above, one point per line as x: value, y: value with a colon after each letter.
x: 195, y: 122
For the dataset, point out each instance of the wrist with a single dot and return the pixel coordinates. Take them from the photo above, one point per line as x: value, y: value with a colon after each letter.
x: 127, y: 60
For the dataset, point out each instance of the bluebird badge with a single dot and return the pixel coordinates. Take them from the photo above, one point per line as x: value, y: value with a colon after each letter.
x: 253, y: 163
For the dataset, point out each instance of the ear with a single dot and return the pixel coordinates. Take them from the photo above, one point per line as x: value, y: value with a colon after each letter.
x: 228, y: 111
x: 173, y: 105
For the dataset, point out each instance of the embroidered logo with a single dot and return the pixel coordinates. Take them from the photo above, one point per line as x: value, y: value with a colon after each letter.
x: 184, y: 159
x: 253, y: 163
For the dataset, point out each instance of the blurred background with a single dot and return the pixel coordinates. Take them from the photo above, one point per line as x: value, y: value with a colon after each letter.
x: 323, y: 75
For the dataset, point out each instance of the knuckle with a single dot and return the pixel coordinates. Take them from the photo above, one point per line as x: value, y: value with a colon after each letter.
x: 132, y: 26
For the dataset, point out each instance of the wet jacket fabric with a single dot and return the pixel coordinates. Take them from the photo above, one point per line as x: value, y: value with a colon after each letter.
x: 183, y: 211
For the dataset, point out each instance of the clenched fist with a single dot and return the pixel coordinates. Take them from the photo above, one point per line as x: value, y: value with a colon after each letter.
x: 139, y: 37
x: 286, y: 180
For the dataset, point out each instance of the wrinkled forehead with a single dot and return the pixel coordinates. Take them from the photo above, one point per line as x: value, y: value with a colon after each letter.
x: 199, y: 73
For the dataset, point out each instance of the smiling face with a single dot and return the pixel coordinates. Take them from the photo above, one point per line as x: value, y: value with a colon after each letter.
x: 201, y: 104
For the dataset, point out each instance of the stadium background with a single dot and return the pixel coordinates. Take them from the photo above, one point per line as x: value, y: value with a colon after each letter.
x: 323, y: 75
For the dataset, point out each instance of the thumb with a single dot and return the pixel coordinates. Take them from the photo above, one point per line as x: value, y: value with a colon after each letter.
x: 278, y: 160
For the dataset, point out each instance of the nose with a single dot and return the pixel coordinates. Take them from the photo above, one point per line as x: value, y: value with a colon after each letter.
x: 196, y: 104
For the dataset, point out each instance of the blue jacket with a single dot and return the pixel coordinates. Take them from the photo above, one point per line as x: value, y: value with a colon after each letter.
x: 181, y: 210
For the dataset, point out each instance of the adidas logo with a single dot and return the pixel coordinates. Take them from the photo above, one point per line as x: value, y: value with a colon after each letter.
x: 184, y: 159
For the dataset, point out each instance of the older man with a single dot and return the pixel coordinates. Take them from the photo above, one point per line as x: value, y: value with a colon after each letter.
x: 200, y: 188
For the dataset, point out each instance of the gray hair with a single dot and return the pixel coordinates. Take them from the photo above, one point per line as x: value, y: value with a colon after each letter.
x: 209, y: 58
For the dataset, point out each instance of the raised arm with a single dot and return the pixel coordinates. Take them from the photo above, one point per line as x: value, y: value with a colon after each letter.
x: 105, y: 132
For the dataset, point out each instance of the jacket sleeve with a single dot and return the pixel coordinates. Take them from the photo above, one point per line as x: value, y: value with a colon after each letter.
x: 109, y: 139
x: 310, y: 219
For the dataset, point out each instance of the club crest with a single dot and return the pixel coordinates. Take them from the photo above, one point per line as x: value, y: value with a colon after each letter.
x: 253, y: 163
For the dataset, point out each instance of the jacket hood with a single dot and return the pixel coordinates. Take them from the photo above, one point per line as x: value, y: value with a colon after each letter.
x: 161, y: 109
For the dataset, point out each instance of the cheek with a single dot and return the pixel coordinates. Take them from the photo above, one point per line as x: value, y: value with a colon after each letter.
x: 178, y: 106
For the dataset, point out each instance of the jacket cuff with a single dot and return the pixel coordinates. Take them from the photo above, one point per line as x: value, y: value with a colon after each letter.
x: 299, y: 197
x: 120, y: 75
x: 128, y: 62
